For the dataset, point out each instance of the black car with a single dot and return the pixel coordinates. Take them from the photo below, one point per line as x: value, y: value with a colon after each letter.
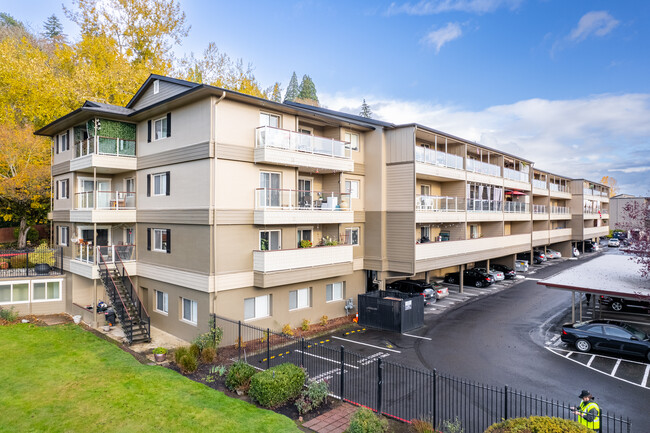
x: 538, y: 257
x: 471, y: 277
x: 607, y: 336
x: 415, y: 287
x: 589, y: 247
x: 508, y: 272
x: 618, y: 304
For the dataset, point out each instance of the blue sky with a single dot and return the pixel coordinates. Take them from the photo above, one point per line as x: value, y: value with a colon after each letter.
x: 563, y: 83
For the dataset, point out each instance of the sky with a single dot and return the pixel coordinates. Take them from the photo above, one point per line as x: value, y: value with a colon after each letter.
x: 564, y: 83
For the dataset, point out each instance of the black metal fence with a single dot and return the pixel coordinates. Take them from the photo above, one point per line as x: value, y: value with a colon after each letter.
x: 392, y: 389
x: 31, y: 262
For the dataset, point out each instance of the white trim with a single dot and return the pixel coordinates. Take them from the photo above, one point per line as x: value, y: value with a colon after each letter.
x: 194, y: 312
x: 162, y: 133
x: 60, y: 298
x: 153, y: 240
x: 30, y: 290
x: 163, y: 184
x: 259, y: 243
x: 165, y: 301
x: 156, y: 86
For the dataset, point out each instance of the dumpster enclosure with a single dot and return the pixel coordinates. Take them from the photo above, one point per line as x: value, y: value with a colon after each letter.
x: 391, y: 311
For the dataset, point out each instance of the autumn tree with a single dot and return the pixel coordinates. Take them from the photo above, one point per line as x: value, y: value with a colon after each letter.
x: 611, y: 183
x: 276, y: 93
x: 307, y: 90
x: 292, y: 89
x: 24, y: 178
x: 365, y: 110
x: 635, y: 219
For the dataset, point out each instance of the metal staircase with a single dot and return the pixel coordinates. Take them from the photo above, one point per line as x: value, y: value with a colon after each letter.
x: 130, y: 312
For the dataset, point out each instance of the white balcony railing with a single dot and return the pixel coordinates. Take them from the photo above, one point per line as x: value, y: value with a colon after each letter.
x: 266, y: 136
x: 511, y: 174
x: 558, y: 188
x: 539, y: 208
x: 85, y: 252
x: 540, y: 184
x: 561, y: 210
x: 434, y: 157
x: 484, y: 205
x: 483, y: 167
x: 292, y: 199
x: 515, y: 207
x: 113, y: 200
x: 439, y: 204
x: 284, y: 260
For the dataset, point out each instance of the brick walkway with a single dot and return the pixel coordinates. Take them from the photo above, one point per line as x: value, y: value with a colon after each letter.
x: 334, y: 421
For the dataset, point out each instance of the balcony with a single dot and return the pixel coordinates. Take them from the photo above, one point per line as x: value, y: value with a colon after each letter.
x: 560, y: 235
x: 540, y: 212
x: 559, y: 191
x: 560, y: 212
x: 516, y: 211
x: 476, y: 166
x: 290, y: 206
x: 439, y: 209
x: 516, y: 179
x: 484, y: 210
x: 104, y: 206
x: 289, y: 148
x: 112, y: 148
x: 541, y: 237
x: 279, y: 267
x: 84, y: 258
x: 594, y: 232
x: 438, y: 165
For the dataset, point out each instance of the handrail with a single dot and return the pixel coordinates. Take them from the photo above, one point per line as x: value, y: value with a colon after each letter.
x: 142, y: 311
x: 106, y: 277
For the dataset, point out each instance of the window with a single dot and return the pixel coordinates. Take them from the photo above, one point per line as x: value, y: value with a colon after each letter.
x: 14, y: 293
x: 64, y: 189
x: 160, y: 239
x: 352, y: 187
x: 425, y: 190
x: 352, y: 141
x: 352, y: 236
x: 189, y: 311
x: 425, y: 233
x: 267, y: 119
x: 160, y: 128
x: 64, y: 235
x: 255, y: 308
x: 162, y: 302
x: 156, y: 87
x: 304, y: 235
x: 46, y: 291
x: 334, y: 292
x: 270, y: 194
x: 160, y: 184
x: 63, y: 142
x: 299, y: 298
x: 473, y: 231
x: 270, y: 240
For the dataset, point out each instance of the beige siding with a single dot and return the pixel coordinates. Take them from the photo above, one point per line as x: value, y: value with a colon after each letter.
x: 400, y: 241
x: 175, y: 156
x: 165, y: 91
x: 400, y: 145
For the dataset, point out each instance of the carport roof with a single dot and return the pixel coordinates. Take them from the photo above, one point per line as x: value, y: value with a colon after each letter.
x: 609, y: 274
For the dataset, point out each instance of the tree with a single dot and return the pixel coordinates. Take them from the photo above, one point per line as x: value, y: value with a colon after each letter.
x: 611, y: 183
x: 292, y: 89
x: 307, y: 90
x: 365, y: 110
x: 276, y: 93
x: 636, y: 220
x: 52, y: 28
x: 24, y: 178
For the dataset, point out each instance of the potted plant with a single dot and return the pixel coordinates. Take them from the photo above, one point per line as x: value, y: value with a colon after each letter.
x: 160, y: 354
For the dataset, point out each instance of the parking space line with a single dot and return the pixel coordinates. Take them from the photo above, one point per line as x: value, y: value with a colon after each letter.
x: 366, y: 344
x: 569, y: 353
x: 645, y: 376
x: 613, y: 373
x: 417, y: 336
x: 591, y: 360
x: 326, y: 359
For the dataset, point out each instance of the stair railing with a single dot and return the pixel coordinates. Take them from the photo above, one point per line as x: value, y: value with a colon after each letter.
x: 141, y: 311
x: 116, y: 299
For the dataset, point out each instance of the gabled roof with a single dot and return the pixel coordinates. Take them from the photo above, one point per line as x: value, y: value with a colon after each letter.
x: 115, y: 109
x: 154, y: 77
x: 340, y: 115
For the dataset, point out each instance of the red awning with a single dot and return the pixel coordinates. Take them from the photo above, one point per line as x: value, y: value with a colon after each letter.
x: 515, y: 192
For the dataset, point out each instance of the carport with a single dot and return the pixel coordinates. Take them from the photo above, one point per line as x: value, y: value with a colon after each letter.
x: 610, y: 275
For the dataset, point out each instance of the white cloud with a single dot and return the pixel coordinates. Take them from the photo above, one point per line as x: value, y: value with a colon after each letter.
x: 579, y: 138
x: 597, y: 23
x: 432, y: 7
x: 443, y: 35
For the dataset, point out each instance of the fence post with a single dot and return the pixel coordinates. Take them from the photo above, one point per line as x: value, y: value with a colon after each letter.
x: 505, y: 403
x: 239, y: 338
x: 302, y: 352
x: 27, y: 263
x: 435, y: 397
x: 342, y: 371
x: 379, y: 380
x: 268, y: 348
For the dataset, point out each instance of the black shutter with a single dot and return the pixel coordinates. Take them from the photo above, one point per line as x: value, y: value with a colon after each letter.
x: 148, y: 239
x: 56, y: 144
x: 67, y: 236
x: 169, y: 124
x: 168, y: 185
x: 148, y: 185
x: 56, y: 189
x: 169, y: 241
x: 56, y: 235
x: 67, y: 141
x: 148, y: 131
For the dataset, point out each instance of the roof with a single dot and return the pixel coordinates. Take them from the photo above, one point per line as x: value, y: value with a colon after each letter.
x: 153, y: 77
x: 609, y: 274
x: 115, y: 109
x: 341, y: 114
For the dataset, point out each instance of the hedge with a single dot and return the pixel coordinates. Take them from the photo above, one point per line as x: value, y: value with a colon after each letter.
x: 276, y: 386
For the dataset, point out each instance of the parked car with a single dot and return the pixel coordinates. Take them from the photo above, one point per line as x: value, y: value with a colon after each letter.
x: 496, y: 275
x: 441, y: 291
x: 590, y: 247
x: 614, y: 242
x: 508, y: 272
x: 541, y: 254
x: 553, y: 254
x: 521, y: 265
x: 619, y: 304
x: 576, y: 253
x: 537, y: 257
x: 607, y: 335
x: 470, y: 277
x: 415, y: 287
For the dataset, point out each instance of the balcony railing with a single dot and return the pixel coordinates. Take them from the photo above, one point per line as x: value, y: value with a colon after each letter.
x: 439, y: 204
x: 266, y: 136
x: 558, y: 188
x: 104, y: 146
x: 434, y: 157
x: 483, y: 167
x: 27, y: 262
x: 484, y: 205
x: 85, y: 252
x: 562, y: 210
x: 539, y: 208
x: 521, y: 176
x: 113, y: 200
x: 515, y: 207
x: 540, y: 184
x: 589, y: 209
x: 293, y: 199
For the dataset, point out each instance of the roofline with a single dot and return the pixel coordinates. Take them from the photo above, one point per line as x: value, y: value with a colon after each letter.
x: 586, y: 289
x: 152, y: 77
x: 84, y: 109
x: 552, y: 174
x: 353, y: 118
x: 593, y: 181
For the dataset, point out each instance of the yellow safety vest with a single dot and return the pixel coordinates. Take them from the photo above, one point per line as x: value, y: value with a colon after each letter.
x: 584, y: 409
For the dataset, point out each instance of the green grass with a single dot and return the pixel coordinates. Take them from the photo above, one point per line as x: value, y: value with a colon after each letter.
x: 64, y: 379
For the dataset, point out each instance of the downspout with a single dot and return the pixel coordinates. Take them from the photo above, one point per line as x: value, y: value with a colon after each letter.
x: 213, y: 249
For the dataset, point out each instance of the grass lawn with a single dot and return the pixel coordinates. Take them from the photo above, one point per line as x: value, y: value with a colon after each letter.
x: 64, y: 379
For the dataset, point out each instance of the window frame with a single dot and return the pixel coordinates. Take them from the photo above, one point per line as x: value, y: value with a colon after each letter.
x: 342, y: 298
x: 162, y: 132
x: 154, y: 235
x: 349, y: 237
x: 299, y: 297
x: 348, y: 140
x: 64, y: 142
x: 193, y: 313
x: 163, y: 184
x: 156, y: 87
x: 46, y: 282
x: 269, y: 116
x: 269, y: 299
x: 165, y: 299
x: 64, y: 239
x: 259, y: 244
x: 64, y: 189
x: 353, y: 194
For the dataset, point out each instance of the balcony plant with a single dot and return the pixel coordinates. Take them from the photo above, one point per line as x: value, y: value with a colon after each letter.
x: 328, y: 241
x: 305, y: 243
x: 160, y: 353
x: 43, y: 257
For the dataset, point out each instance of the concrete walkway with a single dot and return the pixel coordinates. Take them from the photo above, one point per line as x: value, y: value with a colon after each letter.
x: 335, y: 421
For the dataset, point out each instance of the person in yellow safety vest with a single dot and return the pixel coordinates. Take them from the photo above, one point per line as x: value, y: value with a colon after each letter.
x: 588, y: 412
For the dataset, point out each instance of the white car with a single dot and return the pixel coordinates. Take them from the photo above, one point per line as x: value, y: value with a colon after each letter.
x: 553, y: 254
x: 613, y: 242
x: 496, y: 275
x: 441, y: 291
x: 576, y: 253
x: 521, y: 265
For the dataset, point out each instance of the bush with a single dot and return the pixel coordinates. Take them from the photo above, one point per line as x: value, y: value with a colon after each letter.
x: 365, y: 421
x: 286, y: 330
x: 9, y: 314
x: 305, y: 325
x: 323, y: 321
x: 312, y: 397
x: 276, y: 386
x: 32, y: 234
x: 239, y: 376
x: 421, y: 426
x: 188, y: 364
x: 538, y: 424
x: 212, y: 338
x: 179, y: 353
x: 42, y: 254
x: 20, y: 261
x: 195, y: 351
x: 455, y: 426
x: 208, y: 354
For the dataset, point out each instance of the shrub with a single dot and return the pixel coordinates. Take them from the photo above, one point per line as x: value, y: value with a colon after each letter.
x: 278, y: 385
x: 195, y: 351
x: 160, y: 351
x: 305, y: 243
x: 215, y: 370
x: 421, y: 426
x: 20, y: 261
x: 179, y: 353
x: 538, y: 424
x: 455, y: 426
x: 212, y: 338
x: 312, y: 397
x: 188, y: 364
x: 323, y: 320
x: 42, y: 254
x: 239, y: 376
x: 365, y: 421
x: 286, y: 330
x: 305, y: 325
x: 208, y: 354
x: 9, y: 314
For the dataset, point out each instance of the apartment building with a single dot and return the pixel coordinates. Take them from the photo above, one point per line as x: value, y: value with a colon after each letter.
x: 204, y: 200
x: 589, y: 210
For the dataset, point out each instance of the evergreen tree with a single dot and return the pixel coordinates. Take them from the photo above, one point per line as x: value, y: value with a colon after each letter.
x: 52, y: 28
x: 365, y: 110
x: 307, y: 89
x: 292, y: 89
